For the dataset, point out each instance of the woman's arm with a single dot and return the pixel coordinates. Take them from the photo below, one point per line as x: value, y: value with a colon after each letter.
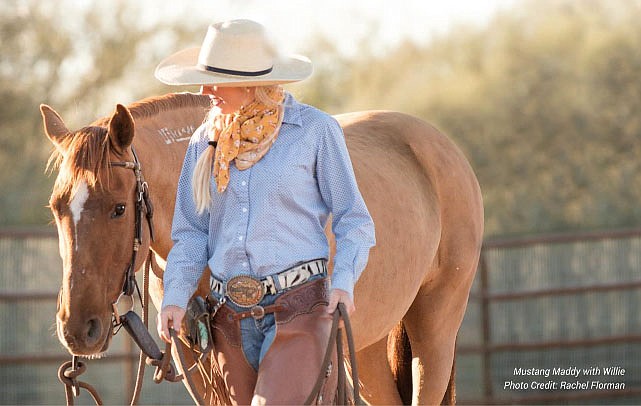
x: 188, y: 256
x: 352, y: 224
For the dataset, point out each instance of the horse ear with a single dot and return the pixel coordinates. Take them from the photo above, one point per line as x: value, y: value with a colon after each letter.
x: 55, y: 128
x: 121, y: 129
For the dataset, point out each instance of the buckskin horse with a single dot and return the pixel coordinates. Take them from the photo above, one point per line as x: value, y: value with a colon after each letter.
x: 419, y: 188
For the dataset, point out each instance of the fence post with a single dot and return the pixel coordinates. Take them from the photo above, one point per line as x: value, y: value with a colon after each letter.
x: 486, y: 362
x: 129, y: 374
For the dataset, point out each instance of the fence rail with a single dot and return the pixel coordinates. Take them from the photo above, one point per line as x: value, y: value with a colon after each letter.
x: 48, y: 358
x: 28, y: 232
x: 28, y: 296
x: 527, y: 294
x: 559, y: 238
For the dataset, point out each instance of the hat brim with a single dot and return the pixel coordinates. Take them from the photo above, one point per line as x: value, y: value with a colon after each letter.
x: 181, y: 69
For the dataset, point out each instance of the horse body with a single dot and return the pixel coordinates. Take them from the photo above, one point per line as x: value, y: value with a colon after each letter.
x: 418, y: 187
x: 401, y: 200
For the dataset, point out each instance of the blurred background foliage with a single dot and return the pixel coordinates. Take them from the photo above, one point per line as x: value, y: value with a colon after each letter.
x: 544, y: 100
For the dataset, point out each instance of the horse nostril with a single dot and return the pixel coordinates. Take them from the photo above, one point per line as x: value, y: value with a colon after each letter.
x: 93, y: 330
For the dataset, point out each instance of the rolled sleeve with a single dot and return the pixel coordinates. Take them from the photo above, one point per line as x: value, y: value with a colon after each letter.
x: 352, y: 224
x: 189, y: 254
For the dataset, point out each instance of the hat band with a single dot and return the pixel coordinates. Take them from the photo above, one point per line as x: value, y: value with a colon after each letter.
x: 234, y: 72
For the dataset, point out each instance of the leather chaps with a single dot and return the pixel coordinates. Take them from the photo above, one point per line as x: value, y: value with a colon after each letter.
x: 292, y: 364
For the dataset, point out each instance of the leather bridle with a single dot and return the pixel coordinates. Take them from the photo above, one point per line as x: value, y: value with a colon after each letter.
x: 143, y: 205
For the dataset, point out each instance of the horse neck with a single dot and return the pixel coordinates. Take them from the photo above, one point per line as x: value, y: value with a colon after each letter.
x: 160, y: 143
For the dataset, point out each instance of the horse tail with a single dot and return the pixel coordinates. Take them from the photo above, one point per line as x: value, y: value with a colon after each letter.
x: 400, y: 358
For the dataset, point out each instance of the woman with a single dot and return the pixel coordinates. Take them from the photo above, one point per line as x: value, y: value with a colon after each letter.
x: 259, y: 180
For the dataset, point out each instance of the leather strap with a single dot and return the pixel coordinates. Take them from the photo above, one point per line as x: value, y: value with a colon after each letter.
x: 258, y: 312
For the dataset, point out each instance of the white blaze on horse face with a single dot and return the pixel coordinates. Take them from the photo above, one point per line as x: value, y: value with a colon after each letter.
x: 77, y: 205
x: 61, y: 239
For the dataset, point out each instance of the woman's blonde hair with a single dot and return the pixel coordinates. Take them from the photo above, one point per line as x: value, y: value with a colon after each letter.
x: 214, y: 120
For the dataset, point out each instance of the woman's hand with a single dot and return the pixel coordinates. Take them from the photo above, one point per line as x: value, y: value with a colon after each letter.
x: 339, y: 295
x: 169, y: 316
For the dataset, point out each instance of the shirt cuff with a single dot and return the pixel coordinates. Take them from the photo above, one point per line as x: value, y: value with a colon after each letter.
x: 343, y: 281
x: 176, y: 298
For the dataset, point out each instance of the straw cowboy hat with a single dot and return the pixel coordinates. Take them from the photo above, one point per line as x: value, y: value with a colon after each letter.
x: 234, y: 53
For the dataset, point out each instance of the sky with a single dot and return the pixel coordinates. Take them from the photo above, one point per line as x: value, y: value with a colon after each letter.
x: 345, y: 22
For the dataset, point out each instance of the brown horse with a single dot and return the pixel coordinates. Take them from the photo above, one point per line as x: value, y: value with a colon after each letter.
x: 419, y: 188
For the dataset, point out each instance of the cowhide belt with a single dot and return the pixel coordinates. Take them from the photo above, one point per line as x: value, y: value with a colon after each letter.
x: 248, y: 291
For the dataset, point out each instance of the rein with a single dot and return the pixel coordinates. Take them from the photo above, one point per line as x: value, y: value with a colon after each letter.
x: 336, y: 339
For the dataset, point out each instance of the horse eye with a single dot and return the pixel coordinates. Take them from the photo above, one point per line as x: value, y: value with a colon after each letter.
x: 119, y: 210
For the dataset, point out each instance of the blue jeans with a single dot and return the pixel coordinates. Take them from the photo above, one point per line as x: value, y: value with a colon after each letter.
x: 258, y: 335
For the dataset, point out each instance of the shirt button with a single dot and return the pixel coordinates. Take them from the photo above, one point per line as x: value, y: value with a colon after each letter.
x: 243, y: 183
x: 244, y: 209
x: 240, y: 238
x: 245, y: 264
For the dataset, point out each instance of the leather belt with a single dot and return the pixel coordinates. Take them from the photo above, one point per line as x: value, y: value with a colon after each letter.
x: 248, y: 291
x: 258, y: 312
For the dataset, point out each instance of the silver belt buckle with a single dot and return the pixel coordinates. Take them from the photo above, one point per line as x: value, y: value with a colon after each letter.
x: 244, y: 291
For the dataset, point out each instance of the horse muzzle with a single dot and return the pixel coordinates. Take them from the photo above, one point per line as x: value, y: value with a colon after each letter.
x: 86, y: 337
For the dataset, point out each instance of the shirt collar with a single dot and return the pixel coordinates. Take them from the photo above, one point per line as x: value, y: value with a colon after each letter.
x: 291, y: 115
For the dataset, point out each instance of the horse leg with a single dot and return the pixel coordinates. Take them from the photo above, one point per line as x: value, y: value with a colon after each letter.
x: 378, y: 385
x: 432, y: 324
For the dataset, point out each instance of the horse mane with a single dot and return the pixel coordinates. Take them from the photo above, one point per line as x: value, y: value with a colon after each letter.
x: 81, y: 155
x: 155, y: 105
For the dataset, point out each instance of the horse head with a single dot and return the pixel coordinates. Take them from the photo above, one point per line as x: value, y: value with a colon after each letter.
x: 94, y: 206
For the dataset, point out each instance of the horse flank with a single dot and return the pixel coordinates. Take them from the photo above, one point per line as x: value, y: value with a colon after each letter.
x: 83, y: 154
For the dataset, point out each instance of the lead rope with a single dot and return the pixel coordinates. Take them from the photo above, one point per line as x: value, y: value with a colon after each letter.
x: 67, y: 373
x: 186, y: 374
x: 335, y: 336
x: 352, y: 354
x: 145, y: 320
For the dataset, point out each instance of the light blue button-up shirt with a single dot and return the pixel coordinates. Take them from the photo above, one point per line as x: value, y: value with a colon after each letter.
x: 273, y: 215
